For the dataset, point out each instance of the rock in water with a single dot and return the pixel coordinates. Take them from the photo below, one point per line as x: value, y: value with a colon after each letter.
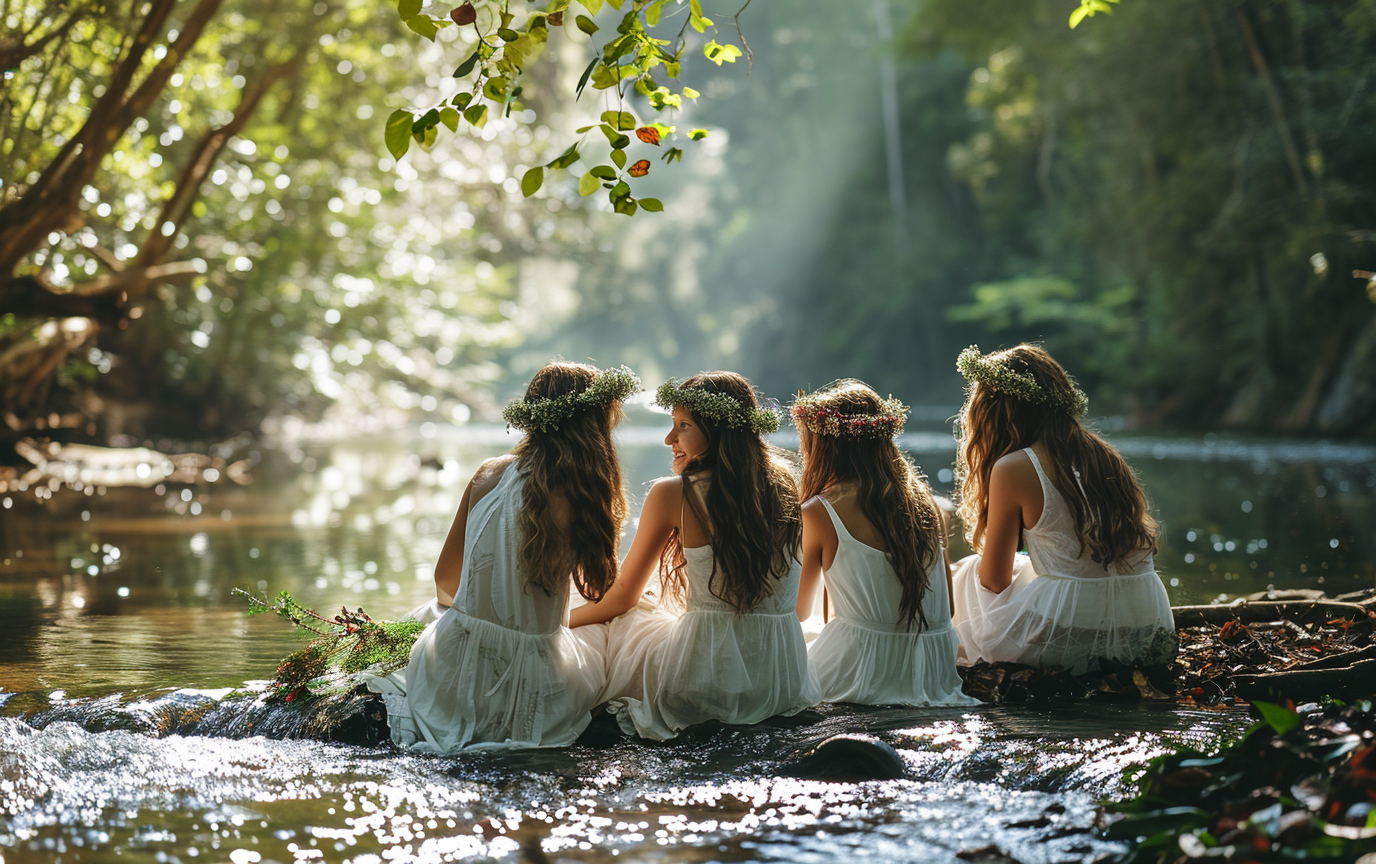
x: 848, y: 758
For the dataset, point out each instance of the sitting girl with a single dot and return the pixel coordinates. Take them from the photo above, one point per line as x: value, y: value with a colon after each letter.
x: 724, y: 534
x: 870, y: 525
x: 1028, y: 470
x: 499, y: 667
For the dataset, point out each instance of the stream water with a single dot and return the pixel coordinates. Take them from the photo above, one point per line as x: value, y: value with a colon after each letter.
x: 122, y: 639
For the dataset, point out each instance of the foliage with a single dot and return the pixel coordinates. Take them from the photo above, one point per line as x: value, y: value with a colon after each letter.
x: 1295, y: 786
x: 344, y: 645
x: 1181, y: 232
x: 500, y: 41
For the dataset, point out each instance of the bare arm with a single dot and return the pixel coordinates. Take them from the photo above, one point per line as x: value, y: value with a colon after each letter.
x: 658, y: 518
x: 946, y: 559
x: 1014, y: 489
x: 816, y: 528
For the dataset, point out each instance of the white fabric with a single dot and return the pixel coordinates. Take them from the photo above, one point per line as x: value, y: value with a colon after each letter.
x: 1063, y: 610
x: 670, y: 671
x: 499, y: 669
x: 866, y: 654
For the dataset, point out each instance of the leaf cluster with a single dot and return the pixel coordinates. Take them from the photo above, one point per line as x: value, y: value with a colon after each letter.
x: 502, y: 44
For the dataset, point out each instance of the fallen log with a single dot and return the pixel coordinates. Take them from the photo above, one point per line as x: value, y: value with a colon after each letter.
x: 1309, y: 685
x: 1251, y: 611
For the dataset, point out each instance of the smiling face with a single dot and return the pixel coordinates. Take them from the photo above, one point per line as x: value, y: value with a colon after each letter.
x: 686, y: 439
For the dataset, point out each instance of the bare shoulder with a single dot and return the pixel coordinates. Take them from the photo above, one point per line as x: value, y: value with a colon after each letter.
x: 666, y: 492
x: 814, y: 509
x: 1013, y: 468
x: 487, y: 476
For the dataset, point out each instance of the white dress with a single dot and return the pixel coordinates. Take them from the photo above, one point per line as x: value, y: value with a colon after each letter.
x: 500, y: 668
x: 1063, y: 610
x: 866, y: 654
x: 670, y: 671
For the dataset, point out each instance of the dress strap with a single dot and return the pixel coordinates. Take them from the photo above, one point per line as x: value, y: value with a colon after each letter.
x: 836, y: 522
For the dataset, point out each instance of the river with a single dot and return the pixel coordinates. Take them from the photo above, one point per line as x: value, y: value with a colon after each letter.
x: 120, y: 626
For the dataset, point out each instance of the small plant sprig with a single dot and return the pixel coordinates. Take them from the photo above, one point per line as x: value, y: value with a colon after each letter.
x: 344, y: 644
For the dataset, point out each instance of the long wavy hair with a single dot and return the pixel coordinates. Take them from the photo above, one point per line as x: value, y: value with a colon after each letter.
x: 578, y: 464
x: 892, y: 494
x: 1110, y: 511
x: 749, y: 510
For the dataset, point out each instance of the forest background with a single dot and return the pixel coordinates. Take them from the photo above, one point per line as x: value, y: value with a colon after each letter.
x: 1173, y: 198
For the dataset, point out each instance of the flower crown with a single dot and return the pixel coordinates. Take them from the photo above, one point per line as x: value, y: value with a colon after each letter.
x: 809, y: 413
x: 1021, y: 385
x: 546, y: 415
x: 716, y: 407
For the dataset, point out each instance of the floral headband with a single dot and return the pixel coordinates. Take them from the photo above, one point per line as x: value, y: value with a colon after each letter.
x: 716, y: 407
x: 809, y: 413
x: 546, y: 415
x: 1020, y: 385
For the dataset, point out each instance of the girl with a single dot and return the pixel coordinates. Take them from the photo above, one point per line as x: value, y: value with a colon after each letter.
x: 724, y: 533
x: 1027, y: 470
x: 500, y: 667
x: 870, y: 525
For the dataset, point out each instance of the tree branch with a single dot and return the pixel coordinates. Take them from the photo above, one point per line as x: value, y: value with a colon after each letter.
x: 1268, y: 85
x: 34, y: 297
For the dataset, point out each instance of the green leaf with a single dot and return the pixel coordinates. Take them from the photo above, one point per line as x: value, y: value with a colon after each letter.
x: 409, y: 9
x: 532, y: 181
x: 619, y: 120
x: 426, y: 138
x: 466, y: 66
x: 698, y: 134
x: 423, y: 25
x: 587, y: 73
x: 673, y: 154
x: 591, y: 5
x: 719, y: 53
x: 506, y: 34
x: 652, y: 12
x: 586, y: 24
x: 619, y: 157
x: 605, y: 76
x: 625, y: 205
x: 1278, y: 717
x: 496, y: 88
x: 461, y: 100
x: 604, y: 172
x: 690, y: 93
x: 566, y: 159
x: 476, y: 115
x: 651, y: 205
x: 398, y: 133
x: 620, y: 190
x: 450, y: 118
x: 587, y: 184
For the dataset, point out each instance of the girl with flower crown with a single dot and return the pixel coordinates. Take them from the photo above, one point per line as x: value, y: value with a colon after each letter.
x: 1028, y: 471
x: 872, y: 529
x: 724, y: 642
x: 499, y: 666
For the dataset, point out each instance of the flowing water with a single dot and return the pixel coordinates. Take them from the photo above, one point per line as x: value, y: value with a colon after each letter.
x: 121, y: 641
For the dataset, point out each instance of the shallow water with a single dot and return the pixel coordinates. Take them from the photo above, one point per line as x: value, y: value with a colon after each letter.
x: 114, y: 599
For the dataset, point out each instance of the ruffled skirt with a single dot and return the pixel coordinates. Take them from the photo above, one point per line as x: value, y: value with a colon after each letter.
x: 471, y: 683
x: 1061, y: 622
x: 850, y: 662
x: 668, y: 672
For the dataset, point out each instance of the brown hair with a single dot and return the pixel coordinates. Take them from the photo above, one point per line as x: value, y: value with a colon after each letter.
x: 751, y: 516
x: 893, y: 494
x: 577, y: 463
x: 1110, y: 511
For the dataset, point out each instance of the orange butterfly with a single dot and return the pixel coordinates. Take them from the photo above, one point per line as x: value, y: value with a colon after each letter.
x: 639, y: 169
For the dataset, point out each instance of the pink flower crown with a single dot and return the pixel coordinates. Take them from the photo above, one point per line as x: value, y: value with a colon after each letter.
x: 821, y: 420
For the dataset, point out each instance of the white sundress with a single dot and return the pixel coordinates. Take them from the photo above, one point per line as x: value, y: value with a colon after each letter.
x: 866, y: 654
x: 669, y: 671
x: 500, y: 668
x: 1063, y: 610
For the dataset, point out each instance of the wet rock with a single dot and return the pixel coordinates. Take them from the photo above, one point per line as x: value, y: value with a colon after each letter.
x: 990, y: 854
x: 848, y: 758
